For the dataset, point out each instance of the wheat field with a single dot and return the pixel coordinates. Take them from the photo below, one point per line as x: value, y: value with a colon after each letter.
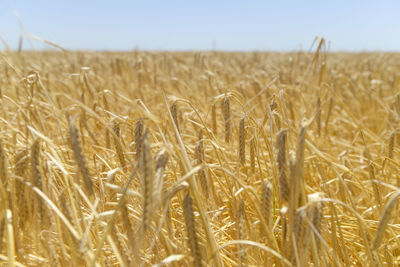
x: 199, y: 158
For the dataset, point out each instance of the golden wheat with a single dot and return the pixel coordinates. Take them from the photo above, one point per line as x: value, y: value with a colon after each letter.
x: 129, y: 159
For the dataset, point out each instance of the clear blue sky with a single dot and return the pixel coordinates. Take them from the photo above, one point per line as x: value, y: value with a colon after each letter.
x: 186, y: 25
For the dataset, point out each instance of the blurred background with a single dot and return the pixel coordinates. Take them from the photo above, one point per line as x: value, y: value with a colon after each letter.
x: 201, y: 25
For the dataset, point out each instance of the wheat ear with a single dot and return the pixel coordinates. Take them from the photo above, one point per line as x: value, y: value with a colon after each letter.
x: 227, y: 117
x: 147, y: 170
x: 252, y: 155
x: 242, y: 143
x: 214, y: 119
x: 267, y: 196
x: 79, y: 157
x: 281, y: 159
x: 118, y: 147
x: 241, y: 233
x: 199, y: 152
x: 138, y: 137
x: 384, y: 220
x: 36, y: 174
x: 191, y: 229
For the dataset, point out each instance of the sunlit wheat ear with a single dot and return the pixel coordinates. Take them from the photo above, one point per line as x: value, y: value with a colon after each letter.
x: 147, y: 172
x: 267, y: 196
x: 138, y: 137
x: 275, y: 113
x: 299, y: 232
x: 36, y: 174
x: 118, y: 146
x: 283, y: 183
x: 228, y: 120
x: 300, y: 150
x: 392, y: 141
x: 3, y: 195
x: 62, y: 200
x: 161, y: 163
x: 214, y: 119
x: 127, y: 223
x: 316, y: 207
x: 174, y: 112
x: 2, y: 226
x: 273, y: 105
x: 3, y: 165
x: 397, y: 104
x: 119, y: 243
x: 384, y: 220
x: 20, y: 169
x: 64, y: 207
x: 388, y: 256
x: 252, y: 155
x: 318, y: 116
x: 371, y: 168
x: 283, y: 213
x: 241, y: 233
x: 297, y: 194
x: 330, y: 108
x: 199, y: 153
x: 191, y: 229
x: 242, y: 143
x: 79, y: 157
